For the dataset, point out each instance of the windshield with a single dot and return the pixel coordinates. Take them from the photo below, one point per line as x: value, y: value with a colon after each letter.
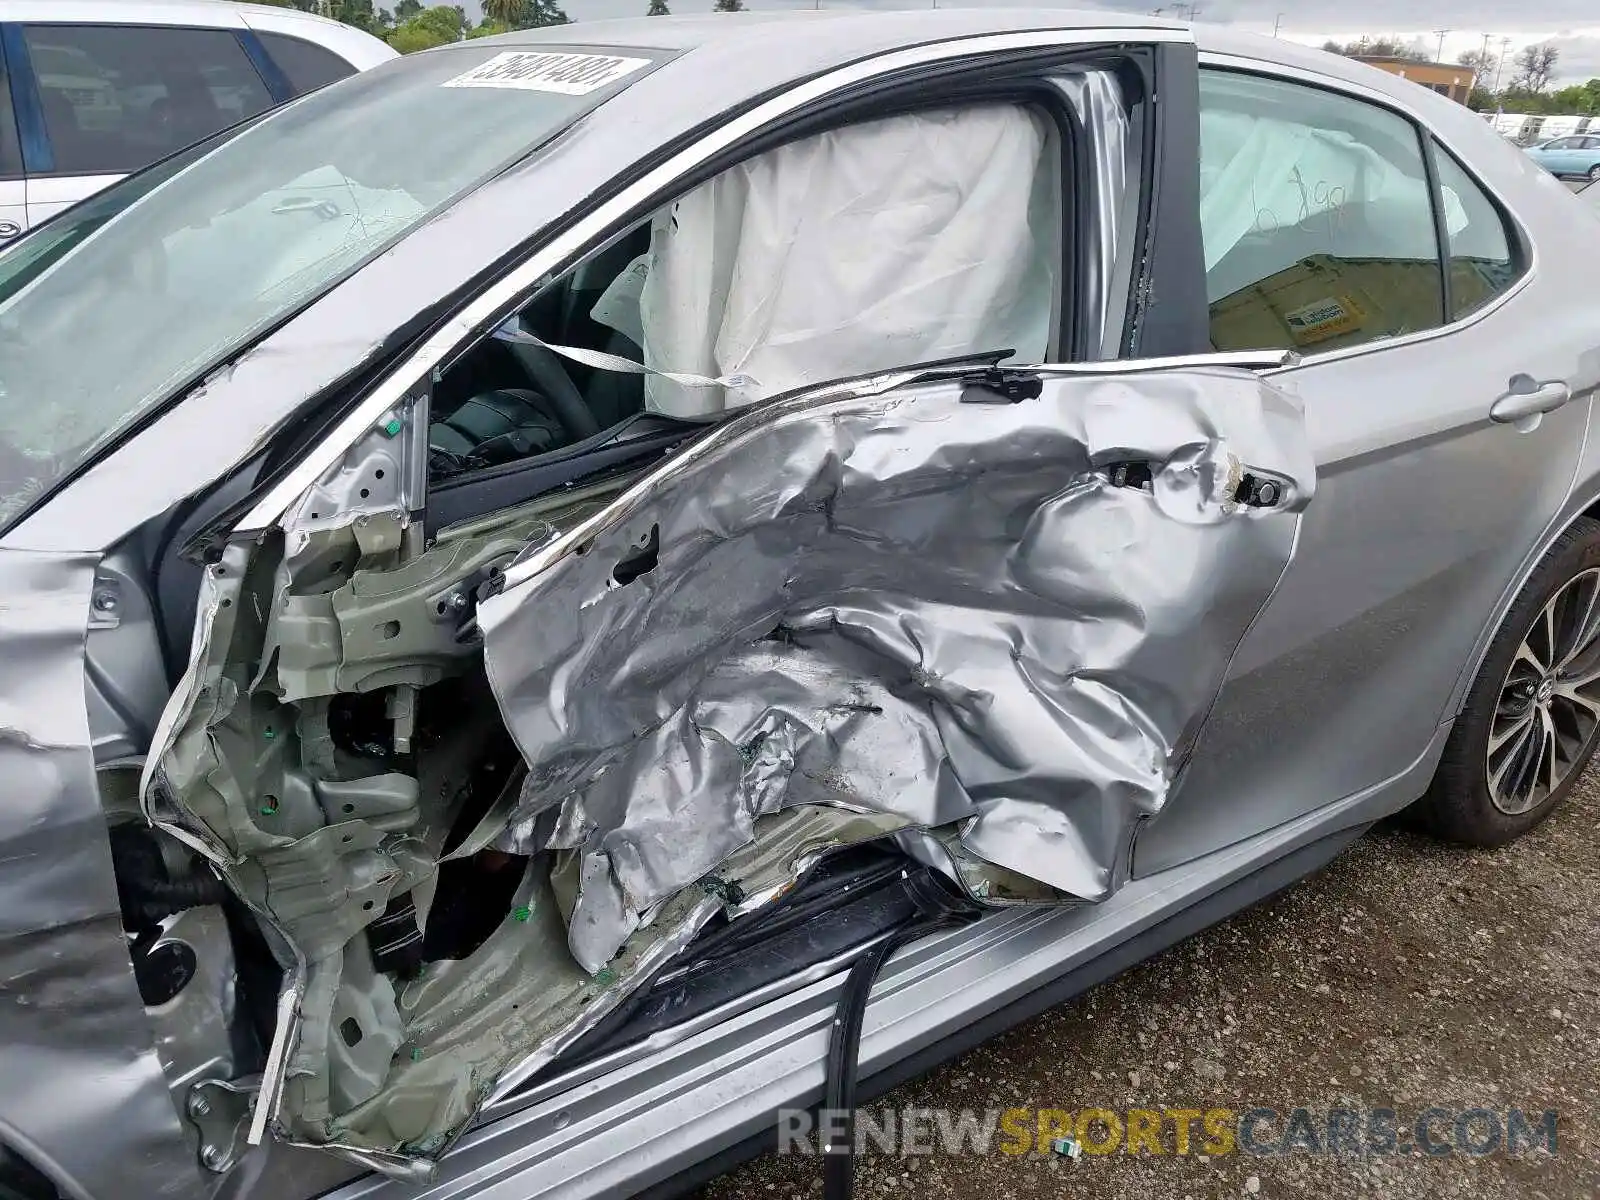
x: 105, y: 312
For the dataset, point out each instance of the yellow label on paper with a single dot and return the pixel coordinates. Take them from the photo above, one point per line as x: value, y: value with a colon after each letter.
x: 1324, y: 319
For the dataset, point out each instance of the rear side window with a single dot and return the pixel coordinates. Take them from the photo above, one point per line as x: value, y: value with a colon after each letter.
x: 1482, y: 264
x: 10, y: 152
x: 1317, y: 218
x: 306, y: 65
x: 116, y: 98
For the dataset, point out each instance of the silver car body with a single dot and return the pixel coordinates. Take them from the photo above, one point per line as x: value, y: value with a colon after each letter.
x: 1332, y: 710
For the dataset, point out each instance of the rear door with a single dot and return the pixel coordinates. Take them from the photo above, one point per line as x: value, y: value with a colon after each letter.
x: 1322, y: 236
x: 1565, y: 155
x: 105, y: 100
x: 1588, y: 154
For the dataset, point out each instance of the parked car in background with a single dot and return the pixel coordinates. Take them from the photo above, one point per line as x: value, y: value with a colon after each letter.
x: 1569, y: 157
x: 93, y: 89
x: 526, y: 573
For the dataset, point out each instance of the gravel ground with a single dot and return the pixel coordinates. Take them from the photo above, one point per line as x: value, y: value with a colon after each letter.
x: 1405, y: 975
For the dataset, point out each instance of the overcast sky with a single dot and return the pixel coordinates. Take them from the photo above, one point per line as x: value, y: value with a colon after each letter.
x: 1573, y: 25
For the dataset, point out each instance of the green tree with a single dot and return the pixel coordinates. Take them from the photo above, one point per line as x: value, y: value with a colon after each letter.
x: 658, y: 8
x: 407, y: 9
x: 543, y: 12
x: 361, y: 14
x: 1582, y: 99
x: 436, y: 26
x: 505, y: 13
x: 1520, y: 99
x: 728, y: 6
x: 502, y: 15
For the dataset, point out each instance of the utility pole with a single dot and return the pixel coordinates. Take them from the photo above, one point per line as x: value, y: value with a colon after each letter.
x: 1277, y: 24
x: 1439, y: 57
x: 1480, y: 71
x: 1500, y: 63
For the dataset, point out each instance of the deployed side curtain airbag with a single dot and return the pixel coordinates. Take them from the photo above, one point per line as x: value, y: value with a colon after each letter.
x: 884, y: 244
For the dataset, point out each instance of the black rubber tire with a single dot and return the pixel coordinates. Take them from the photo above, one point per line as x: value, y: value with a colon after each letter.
x: 1457, y: 805
x: 1594, y: 172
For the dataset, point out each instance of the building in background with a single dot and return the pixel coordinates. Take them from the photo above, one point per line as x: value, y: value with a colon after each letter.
x: 1448, y: 79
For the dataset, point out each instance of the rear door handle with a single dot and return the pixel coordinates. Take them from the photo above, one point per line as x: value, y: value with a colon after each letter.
x: 1527, y: 398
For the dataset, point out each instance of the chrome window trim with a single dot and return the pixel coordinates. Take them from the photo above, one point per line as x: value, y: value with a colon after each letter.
x: 496, y: 301
x: 1265, y: 67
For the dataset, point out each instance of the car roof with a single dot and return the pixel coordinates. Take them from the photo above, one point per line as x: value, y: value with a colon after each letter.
x: 151, y: 12
x: 857, y: 31
x: 682, y: 33
x: 160, y: 12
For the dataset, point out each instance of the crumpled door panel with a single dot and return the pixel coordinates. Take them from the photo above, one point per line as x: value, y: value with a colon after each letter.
x: 933, y: 603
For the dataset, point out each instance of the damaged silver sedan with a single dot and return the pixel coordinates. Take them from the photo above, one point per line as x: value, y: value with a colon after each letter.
x: 527, y: 573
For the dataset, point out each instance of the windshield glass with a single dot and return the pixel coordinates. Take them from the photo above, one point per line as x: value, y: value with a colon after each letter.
x: 105, y: 314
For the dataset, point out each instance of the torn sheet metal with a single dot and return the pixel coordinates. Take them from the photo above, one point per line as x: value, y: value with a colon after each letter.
x: 68, y: 1003
x: 931, y: 603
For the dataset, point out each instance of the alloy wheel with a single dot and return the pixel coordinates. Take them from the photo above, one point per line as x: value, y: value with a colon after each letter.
x: 1549, y: 705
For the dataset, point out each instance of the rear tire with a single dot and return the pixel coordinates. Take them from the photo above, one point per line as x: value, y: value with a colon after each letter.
x: 1594, y: 173
x: 1531, y: 722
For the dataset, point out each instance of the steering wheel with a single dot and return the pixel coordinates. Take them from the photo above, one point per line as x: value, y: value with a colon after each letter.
x: 547, y: 374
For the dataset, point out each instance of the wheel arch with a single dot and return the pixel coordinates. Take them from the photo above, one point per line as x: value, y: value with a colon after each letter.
x: 1583, y: 501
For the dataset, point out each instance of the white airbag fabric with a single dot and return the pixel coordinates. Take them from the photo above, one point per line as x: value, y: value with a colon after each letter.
x: 898, y: 241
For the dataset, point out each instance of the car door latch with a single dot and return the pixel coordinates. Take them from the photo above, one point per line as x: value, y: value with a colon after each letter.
x: 1260, y: 491
x: 1253, y: 490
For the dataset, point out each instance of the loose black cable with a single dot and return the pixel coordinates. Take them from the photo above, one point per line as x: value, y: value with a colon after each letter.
x: 942, y: 908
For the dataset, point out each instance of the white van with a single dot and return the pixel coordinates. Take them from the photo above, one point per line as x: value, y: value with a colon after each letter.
x: 93, y: 89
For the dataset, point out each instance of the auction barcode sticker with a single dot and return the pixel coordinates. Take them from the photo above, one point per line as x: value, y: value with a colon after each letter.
x: 569, y: 74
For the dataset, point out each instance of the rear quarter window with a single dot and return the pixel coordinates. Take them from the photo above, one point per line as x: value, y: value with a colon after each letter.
x: 306, y: 65
x: 10, y: 145
x: 1316, y: 217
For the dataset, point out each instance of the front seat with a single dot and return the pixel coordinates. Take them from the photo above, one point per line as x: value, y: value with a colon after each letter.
x: 499, y: 426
